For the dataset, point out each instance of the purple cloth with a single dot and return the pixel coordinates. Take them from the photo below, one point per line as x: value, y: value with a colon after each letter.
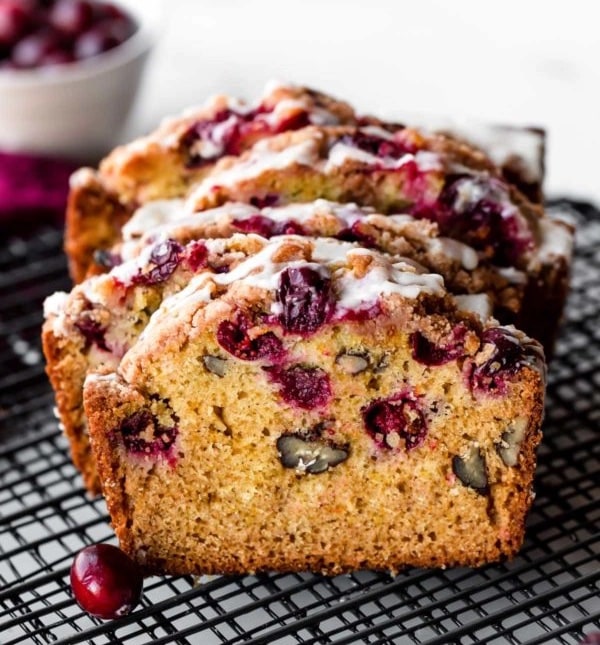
x: 33, y: 190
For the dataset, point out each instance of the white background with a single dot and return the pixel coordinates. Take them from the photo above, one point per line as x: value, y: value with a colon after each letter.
x: 515, y: 61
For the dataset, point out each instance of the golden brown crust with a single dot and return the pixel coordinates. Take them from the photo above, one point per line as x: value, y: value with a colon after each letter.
x: 94, y: 220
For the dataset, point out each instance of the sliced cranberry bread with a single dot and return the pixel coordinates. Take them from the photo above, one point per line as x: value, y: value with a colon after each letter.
x: 179, y: 153
x: 183, y: 150
x: 433, y: 178
x: 319, y: 407
x: 91, y: 328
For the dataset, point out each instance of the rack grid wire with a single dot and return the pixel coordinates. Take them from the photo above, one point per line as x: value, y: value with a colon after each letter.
x: 549, y: 594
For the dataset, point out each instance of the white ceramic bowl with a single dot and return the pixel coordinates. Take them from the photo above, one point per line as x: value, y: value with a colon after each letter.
x: 78, y: 110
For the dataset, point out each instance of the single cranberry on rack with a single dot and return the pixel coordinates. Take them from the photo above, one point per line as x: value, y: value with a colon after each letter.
x: 106, y: 582
x: 306, y: 299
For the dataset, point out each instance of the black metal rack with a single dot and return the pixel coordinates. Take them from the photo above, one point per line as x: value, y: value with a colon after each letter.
x: 549, y: 594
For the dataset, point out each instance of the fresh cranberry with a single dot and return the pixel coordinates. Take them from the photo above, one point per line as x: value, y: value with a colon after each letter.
x: 355, y: 234
x: 94, y: 42
x: 266, y: 227
x: 71, y: 17
x: 233, y: 336
x: 303, y: 387
x: 106, y: 582
x: 196, y: 255
x: 33, y: 49
x: 107, y: 10
x: 143, y: 435
x: 593, y: 638
x: 93, y: 332
x: 166, y: 257
x: 399, y: 417
x: 56, y: 58
x: 506, y: 357
x: 306, y: 299
x: 15, y: 21
x: 426, y: 352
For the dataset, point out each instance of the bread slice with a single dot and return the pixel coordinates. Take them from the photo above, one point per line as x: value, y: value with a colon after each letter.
x: 91, y: 328
x: 319, y: 407
x: 183, y: 150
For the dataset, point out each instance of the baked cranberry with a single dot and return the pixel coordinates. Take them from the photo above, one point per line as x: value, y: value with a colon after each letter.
x: 426, y: 352
x: 507, y: 355
x: 71, y: 17
x: 106, y: 582
x: 377, y: 146
x: 269, y: 199
x: 196, y: 255
x: 473, y: 210
x: 266, y: 227
x: 143, y: 435
x: 93, y: 332
x: 165, y: 257
x: 306, y: 298
x: 355, y: 234
x: 233, y: 336
x: 304, y: 387
x: 388, y: 421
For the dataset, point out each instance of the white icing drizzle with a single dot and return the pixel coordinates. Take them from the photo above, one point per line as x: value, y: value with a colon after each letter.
x: 385, y: 280
x: 476, y: 303
x: 151, y: 215
x: 261, y: 160
x: 456, y: 250
x: 341, y: 152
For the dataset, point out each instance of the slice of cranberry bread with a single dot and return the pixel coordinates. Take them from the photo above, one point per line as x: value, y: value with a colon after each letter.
x: 419, y: 239
x: 179, y: 153
x: 319, y: 407
x: 92, y: 327
x: 430, y: 177
x: 184, y: 149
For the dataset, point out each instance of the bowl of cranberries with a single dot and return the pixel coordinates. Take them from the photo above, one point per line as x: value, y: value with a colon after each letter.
x: 70, y: 70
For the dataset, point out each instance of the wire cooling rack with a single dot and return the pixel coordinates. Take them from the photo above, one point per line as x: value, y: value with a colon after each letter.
x: 549, y: 594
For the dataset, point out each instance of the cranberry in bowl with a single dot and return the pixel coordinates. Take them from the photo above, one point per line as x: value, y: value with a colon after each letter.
x: 69, y: 72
